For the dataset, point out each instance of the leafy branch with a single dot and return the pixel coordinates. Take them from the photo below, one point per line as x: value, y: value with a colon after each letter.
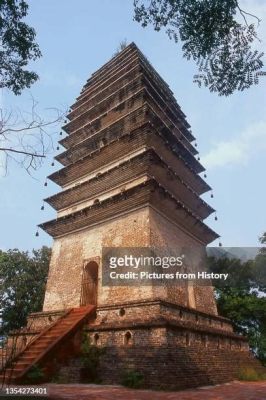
x: 211, y: 35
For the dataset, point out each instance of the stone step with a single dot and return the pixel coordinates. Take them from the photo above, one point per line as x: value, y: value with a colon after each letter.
x: 45, y: 342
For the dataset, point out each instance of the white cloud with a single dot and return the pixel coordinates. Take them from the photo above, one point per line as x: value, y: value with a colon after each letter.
x: 238, y: 150
x: 247, y: 144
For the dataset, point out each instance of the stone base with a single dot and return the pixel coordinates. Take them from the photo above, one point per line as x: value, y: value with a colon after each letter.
x: 173, y: 347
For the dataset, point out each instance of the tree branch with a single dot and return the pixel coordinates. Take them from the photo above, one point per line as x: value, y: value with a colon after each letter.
x: 6, y: 149
x: 244, y: 13
x: 26, y: 137
x: 27, y: 128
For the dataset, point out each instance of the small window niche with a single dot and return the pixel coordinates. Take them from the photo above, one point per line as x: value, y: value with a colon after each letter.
x: 122, y: 312
x: 128, y: 338
x: 96, y: 339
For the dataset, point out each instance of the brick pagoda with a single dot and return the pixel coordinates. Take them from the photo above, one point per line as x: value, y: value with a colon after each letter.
x: 130, y: 178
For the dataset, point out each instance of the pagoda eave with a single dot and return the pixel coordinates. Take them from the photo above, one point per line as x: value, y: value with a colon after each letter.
x: 147, y: 163
x: 146, y: 194
x: 136, y: 140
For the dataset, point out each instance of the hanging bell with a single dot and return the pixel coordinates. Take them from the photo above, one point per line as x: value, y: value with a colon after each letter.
x: 52, y: 164
x: 216, y: 219
x: 205, y: 176
x: 61, y: 133
x: 57, y: 148
x: 37, y: 234
x: 195, y: 145
x: 45, y: 183
x: 212, y: 196
x: 198, y: 158
x: 42, y: 207
x: 220, y: 244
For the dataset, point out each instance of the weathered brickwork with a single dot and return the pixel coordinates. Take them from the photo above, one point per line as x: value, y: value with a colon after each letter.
x: 168, y: 356
x: 166, y: 234
x: 141, y: 228
x: 174, y: 367
x: 70, y: 253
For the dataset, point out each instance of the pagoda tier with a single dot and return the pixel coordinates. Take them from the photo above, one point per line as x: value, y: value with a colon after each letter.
x: 141, y: 138
x: 107, y: 94
x: 148, y: 193
x: 116, y: 69
x: 128, y: 146
x: 140, y: 108
x: 122, y: 175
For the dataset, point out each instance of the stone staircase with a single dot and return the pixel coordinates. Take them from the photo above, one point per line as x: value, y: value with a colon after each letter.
x: 44, y: 344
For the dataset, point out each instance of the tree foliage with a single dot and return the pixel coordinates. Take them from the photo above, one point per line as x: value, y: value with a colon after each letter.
x: 23, y: 278
x: 18, y: 46
x: 243, y: 300
x: 212, y: 36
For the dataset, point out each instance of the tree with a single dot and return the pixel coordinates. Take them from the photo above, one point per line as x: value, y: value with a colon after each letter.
x: 27, y: 137
x: 23, y: 278
x: 243, y: 298
x: 18, y: 46
x: 212, y: 36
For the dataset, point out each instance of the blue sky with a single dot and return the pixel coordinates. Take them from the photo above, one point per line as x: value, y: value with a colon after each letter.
x: 76, y: 38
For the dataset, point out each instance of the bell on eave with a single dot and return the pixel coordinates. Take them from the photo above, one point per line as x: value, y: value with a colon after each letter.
x: 212, y: 195
x: 52, y: 164
x: 42, y: 207
x: 205, y: 176
x: 216, y: 219
x: 220, y: 244
x: 37, y: 234
x: 57, y: 148
x: 45, y: 183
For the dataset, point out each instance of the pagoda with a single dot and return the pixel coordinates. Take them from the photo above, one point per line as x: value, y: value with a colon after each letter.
x: 130, y: 179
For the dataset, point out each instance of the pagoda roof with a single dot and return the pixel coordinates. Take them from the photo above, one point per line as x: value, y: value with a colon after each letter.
x: 146, y: 67
x: 128, y: 147
x: 141, y: 137
x: 147, y: 163
x: 147, y: 194
x: 113, y: 130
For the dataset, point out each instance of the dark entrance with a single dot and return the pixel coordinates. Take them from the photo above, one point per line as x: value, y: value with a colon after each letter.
x: 89, y: 285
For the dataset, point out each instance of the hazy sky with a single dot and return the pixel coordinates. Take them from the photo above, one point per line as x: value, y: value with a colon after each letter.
x: 76, y: 38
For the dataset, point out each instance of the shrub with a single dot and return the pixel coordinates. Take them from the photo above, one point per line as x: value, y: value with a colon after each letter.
x: 35, y: 374
x: 90, y: 360
x: 132, y: 379
x: 250, y: 374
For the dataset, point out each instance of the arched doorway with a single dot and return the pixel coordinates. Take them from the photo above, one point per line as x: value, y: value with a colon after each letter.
x: 89, y: 284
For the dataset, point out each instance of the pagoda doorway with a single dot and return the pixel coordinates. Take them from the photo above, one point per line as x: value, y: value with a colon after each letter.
x: 89, y: 285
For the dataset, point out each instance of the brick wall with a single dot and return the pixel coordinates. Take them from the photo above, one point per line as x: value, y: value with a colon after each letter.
x: 170, y: 358
x: 140, y: 228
